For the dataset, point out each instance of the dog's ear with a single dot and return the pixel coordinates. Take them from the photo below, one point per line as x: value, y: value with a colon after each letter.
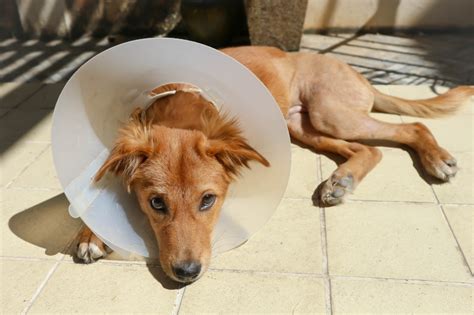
x: 229, y: 147
x: 133, y: 147
x: 234, y: 154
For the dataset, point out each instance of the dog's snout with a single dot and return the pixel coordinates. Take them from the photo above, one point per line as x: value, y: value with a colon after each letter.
x: 187, y: 270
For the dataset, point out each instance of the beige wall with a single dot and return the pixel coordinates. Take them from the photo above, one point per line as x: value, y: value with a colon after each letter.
x: 353, y: 14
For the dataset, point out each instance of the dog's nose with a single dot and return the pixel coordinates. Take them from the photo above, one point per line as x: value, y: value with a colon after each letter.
x: 187, y: 270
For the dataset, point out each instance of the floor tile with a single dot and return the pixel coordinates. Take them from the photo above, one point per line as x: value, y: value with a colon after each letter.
x: 461, y: 220
x: 289, y: 242
x: 19, y: 281
x: 17, y: 158
x: 455, y: 133
x: 103, y: 288
x: 461, y: 188
x: 3, y: 111
x: 45, y: 98
x: 393, y: 179
x: 13, y: 93
x: 25, y: 125
x: 40, y: 174
x: 304, y: 172
x: 377, y: 297
x: 36, y: 224
x: 225, y: 292
x: 392, y: 240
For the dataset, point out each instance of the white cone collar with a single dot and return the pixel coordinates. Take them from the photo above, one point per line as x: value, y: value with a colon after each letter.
x: 103, y: 93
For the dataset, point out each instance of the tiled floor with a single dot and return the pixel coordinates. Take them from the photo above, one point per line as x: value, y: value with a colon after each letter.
x: 399, y: 245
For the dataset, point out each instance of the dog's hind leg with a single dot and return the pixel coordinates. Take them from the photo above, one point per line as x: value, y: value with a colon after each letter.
x: 90, y: 248
x: 361, y: 159
x: 344, y: 123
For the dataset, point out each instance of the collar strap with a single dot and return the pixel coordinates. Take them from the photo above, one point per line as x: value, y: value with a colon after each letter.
x: 171, y: 89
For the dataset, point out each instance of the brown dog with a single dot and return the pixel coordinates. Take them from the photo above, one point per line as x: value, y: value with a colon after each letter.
x: 180, y: 155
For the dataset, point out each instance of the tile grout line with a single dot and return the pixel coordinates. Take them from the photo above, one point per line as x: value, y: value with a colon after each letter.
x: 405, y: 281
x: 178, y: 301
x: 40, y: 288
x: 7, y: 186
x: 458, y: 246
x: 349, y: 201
x: 265, y: 272
x: 16, y: 106
x: 324, y: 249
x: 26, y: 258
x: 262, y: 272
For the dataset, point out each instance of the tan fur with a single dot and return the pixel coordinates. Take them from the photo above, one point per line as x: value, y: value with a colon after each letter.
x: 445, y: 104
x: 327, y: 105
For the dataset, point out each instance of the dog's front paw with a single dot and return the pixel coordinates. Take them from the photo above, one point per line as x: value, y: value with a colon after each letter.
x: 336, y: 188
x: 440, y: 164
x: 90, y: 248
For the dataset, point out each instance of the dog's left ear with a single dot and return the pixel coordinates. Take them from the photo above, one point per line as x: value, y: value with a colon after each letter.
x: 234, y: 154
x: 227, y: 145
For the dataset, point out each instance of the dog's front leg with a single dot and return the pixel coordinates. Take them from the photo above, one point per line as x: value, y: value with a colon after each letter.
x: 90, y: 248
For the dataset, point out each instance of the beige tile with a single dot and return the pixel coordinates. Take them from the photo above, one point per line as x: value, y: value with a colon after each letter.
x: 455, y: 133
x: 13, y: 93
x: 461, y: 188
x: 225, y: 292
x: 392, y: 240
x: 377, y: 297
x: 393, y: 179
x: 289, y: 242
x: 304, y: 174
x: 40, y: 174
x: 104, y: 288
x: 461, y: 219
x: 46, y: 97
x: 14, y: 160
x: 19, y: 281
x: 26, y: 125
x: 36, y: 224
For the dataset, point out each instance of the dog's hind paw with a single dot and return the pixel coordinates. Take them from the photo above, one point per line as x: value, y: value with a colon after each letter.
x: 335, y: 189
x: 440, y: 164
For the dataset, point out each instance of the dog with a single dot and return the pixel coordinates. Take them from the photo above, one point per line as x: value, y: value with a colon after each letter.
x: 180, y: 154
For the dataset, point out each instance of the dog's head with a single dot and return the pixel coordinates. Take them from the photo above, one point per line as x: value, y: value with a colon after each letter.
x: 181, y: 178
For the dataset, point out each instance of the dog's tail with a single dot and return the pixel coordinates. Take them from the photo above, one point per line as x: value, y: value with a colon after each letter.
x: 441, y: 105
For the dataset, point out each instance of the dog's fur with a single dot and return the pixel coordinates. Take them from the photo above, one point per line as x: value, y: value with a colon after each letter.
x: 183, y: 148
x: 179, y: 149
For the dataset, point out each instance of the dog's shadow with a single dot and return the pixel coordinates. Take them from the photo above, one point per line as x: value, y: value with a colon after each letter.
x: 48, y: 225
x: 316, y: 196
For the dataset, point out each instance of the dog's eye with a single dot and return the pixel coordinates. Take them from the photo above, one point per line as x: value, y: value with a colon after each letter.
x: 207, y: 201
x: 158, y: 204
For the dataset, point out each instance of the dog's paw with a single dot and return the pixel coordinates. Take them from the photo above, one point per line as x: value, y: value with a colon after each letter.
x: 440, y: 164
x: 90, y: 252
x: 90, y: 248
x: 336, y: 188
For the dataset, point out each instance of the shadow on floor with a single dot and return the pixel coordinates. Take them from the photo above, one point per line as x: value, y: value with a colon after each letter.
x: 48, y: 225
